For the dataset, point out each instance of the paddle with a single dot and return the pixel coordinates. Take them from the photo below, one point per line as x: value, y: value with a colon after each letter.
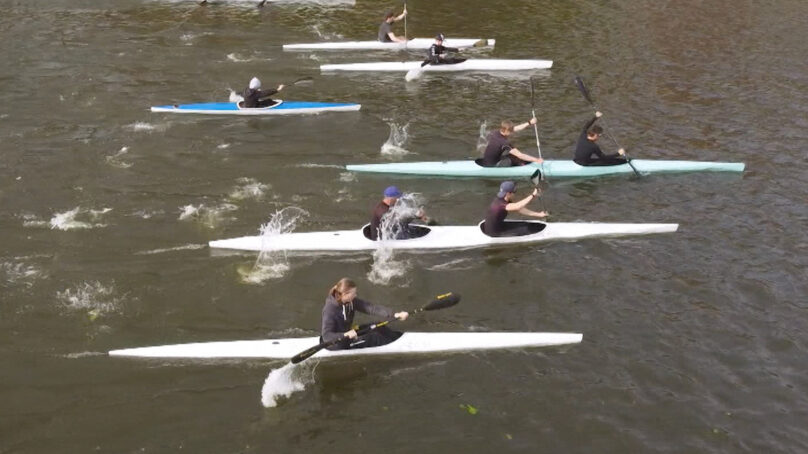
x: 535, y: 126
x: 582, y: 88
x: 440, y: 302
x: 536, y: 180
x: 299, y: 81
x: 405, y: 25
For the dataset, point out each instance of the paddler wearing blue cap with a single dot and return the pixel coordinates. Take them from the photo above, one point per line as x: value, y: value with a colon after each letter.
x: 255, y: 97
x: 495, y: 224
x: 391, y: 196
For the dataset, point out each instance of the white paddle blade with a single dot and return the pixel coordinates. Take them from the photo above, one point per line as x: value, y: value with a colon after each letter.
x: 413, y: 74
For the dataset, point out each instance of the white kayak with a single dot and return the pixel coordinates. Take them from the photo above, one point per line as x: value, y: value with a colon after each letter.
x: 415, y: 43
x: 474, y: 64
x: 436, y: 237
x: 280, y: 108
x: 550, y: 168
x: 408, y: 343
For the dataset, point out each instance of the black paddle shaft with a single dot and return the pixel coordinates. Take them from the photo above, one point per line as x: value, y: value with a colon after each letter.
x: 441, y: 302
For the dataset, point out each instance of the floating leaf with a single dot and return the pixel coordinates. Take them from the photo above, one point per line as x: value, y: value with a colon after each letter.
x: 508, y: 436
x: 469, y: 408
x: 93, y: 314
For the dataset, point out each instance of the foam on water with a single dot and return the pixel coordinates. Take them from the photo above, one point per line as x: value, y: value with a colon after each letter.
x: 140, y: 126
x: 282, y: 383
x: 248, y: 188
x: 78, y: 218
x: 347, y: 177
x: 210, y: 217
x: 397, y: 140
x: 116, y: 160
x: 273, y: 264
x: 93, y: 297
x: 20, y: 273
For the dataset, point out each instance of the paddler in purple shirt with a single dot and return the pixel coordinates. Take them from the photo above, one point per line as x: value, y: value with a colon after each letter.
x: 500, y: 153
x: 495, y: 224
x: 338, y: 314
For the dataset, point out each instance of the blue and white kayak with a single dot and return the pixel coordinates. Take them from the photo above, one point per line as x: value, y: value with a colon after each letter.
x: 551, y: 169
x: 409, y: 343
x: 473, y: 64
x: 281, y: 108
x: 413, y: 44
x: 436, y: 238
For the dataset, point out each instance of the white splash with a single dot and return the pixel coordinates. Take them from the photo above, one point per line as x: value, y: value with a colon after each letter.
x: 208, y: 216
x: 282, y: 383
x: 78, y: 218
x: 143, y: 126
x: 347, y: 177
x: 116, y: 160
x: 248, y: 188
x: 385, y: 267
x: 235, y: 58
x: 93, y: 297
x: 482, y: 139
x: 325, y: 36
x: 398, y: 139
x: 234, y: 97
x: 31, y: 220
x: 223, y: 146
x: 273, y: 264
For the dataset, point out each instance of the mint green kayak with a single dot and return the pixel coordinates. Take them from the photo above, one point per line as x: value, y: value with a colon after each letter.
x: 551, y: 169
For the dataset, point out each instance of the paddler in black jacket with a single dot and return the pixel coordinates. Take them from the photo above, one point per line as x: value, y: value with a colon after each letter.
x: 587, y: 147
x: 380, y: 211
x: 495, y: 224
x: 437, y: 53
x: 338, y: 315
x: 255, y: 97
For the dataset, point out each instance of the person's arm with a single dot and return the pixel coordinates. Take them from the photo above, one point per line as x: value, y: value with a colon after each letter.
x: 589, y: 124
x: 395, y: 38
x: 516, y: 206
x: 535, y: 214
x: 451, y: 49
x: 401, y: 16
x: 369, y: 308
x: 263, y: 94
x: 524, y: 125
x: 524, y: 157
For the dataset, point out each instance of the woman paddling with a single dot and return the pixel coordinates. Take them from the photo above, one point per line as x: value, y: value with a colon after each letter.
x: 338, y: 314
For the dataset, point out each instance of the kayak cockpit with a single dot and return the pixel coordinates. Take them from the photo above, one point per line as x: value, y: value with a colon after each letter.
x: 517, y: 228
x: 277, y: 102
x: 413, y: 232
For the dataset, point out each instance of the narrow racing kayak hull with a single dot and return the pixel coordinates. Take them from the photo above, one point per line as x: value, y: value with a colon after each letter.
x: 281, y: 108
x: 435, y: 237
x: 551, y: 169
x: 408, y: 343
x: 468, y: 65
x: 415, y: 43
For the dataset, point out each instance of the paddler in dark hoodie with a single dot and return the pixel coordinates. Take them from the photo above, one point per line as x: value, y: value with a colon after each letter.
x: 255, y: 97
x: 338, y: 315
x: 587, y: 150
x: 495, y: 224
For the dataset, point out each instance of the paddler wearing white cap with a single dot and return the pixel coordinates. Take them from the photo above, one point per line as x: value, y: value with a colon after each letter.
x: 255, y: 97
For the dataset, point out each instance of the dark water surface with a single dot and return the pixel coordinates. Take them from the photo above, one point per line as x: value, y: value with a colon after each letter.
x: 693, y: 341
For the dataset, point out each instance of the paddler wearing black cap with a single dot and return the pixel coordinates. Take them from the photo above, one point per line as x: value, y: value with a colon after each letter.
x: 436, y: 55
x: 255, y: 97
x: 495, y: 224
x: 338, y: 314
x: 391, y: 195
x: 386, y: 34
x: 587, y: 146
x: 500, y: 153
